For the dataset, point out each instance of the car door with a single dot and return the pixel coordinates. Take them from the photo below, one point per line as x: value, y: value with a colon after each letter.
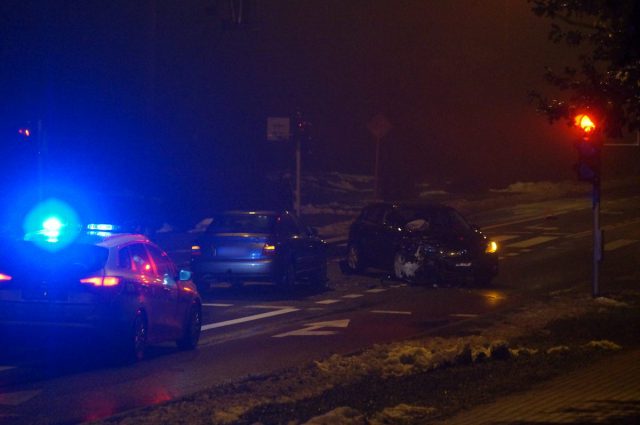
x: 388, y: 236
x: 290, y: 235
x: 368, y: 234
x: 167, y: 291
x: 136, y: 258
x: 312, y: 255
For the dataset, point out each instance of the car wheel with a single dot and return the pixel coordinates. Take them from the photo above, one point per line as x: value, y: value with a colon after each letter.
x: 354, y: 259
x: 192, y: 328
x: 288, y: 277
x: 134, y: 344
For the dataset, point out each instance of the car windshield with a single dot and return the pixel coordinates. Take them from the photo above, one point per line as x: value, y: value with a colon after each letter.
x: 22, y: 257
x: 242, y: 223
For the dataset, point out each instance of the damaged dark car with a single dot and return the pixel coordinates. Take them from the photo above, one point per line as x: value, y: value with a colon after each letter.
x: 421, y: 243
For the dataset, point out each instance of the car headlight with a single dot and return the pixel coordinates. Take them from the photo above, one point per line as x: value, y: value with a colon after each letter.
x: 491, y: 248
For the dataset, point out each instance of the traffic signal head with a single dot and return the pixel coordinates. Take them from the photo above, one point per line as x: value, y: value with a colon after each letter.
x: 589, y: 150
x: 585, y: 123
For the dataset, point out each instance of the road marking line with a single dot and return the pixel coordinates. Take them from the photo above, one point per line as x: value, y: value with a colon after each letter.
x: 511, y: 254
x: 18, y: 397
x: 270, y: 307
x: 249, y: 318
x: 391, y: 312
x: 611, y: 246
x: 352, y: 296
x: 216, y: 305
x: 502, y: 238
x: 464, y: 315
x: 532, y: 242
x: 326, y: 302
x: 543, y: 228
x: 375, y: 290
x: 3, y: 368
x: 311, y: 329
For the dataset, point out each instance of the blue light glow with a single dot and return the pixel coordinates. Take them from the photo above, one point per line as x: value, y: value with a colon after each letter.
x: 101, y: 227
x: 52, y: 225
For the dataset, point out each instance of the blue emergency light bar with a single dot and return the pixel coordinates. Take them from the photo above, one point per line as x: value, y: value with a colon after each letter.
x: 102, y: 227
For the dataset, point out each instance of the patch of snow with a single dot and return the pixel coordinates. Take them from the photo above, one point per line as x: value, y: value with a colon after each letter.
x: 610, y: 302
x: 403, y: 414
x: 339, y: 416
x: 604, y: 345
x: 166, y: 228
x: 558, y: 349
x: 202, y: 225
x: 329, y: 209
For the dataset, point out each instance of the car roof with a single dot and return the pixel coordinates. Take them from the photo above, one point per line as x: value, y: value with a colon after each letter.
x: 253, y: 212
x: 419, y: 205
x: 111, y: 240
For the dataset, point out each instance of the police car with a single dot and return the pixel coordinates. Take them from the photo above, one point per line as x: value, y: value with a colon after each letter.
x: 120, y: 287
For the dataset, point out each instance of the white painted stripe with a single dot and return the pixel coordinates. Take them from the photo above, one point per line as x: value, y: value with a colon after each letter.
x: 3, y: 368
x: 502, y: 238
x: 511, y: 254
x: 271, y: 307
x: 326, y: 302
x: 463, y: 315
x: 216, y: 305
x: 543, y: 228
x: 613, y: 245
x: 352, y: 296
x: 407, y: 313
x: 532, y: 242
x: 375, y: 290
x: 17, y: 398
x: 248, y: 318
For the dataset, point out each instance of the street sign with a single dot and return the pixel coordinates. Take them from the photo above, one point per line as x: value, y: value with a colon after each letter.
x: 278, y: 129
x: 379, y: 126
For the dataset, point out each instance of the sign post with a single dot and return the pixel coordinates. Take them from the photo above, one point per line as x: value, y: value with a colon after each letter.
x: 378, y: 126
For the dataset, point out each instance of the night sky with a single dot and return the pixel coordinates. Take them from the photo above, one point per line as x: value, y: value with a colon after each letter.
x: 168, y: 100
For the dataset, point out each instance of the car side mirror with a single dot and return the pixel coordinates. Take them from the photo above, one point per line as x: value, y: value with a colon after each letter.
x: 184, y: 275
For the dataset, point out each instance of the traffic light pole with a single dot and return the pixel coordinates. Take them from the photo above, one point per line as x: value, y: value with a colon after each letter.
x: 597, y: 238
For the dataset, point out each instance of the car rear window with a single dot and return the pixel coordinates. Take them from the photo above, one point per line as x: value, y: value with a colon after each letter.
x: 242, y: 223
x: 22, y: 257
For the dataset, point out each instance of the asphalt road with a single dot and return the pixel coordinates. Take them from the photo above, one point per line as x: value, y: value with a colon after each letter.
x: 545, y: 247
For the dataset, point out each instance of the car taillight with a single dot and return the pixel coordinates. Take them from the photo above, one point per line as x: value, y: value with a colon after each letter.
x: 5, y: 277
x: 101, y: 281
x: 196, y: 251
x: 268, y: 249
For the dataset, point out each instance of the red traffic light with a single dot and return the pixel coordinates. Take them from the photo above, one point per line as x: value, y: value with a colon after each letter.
x: 585, y: 122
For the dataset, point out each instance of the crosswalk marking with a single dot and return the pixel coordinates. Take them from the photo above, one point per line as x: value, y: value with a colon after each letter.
x: 532, y: 242
x: 216, y: 305
x: 406, y: 313
x: 375, y: 290
x: 613, y: 245
x: 502, y: 238
x: 283, y: 310
x: 326, y: 302
x: 352, y: 296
